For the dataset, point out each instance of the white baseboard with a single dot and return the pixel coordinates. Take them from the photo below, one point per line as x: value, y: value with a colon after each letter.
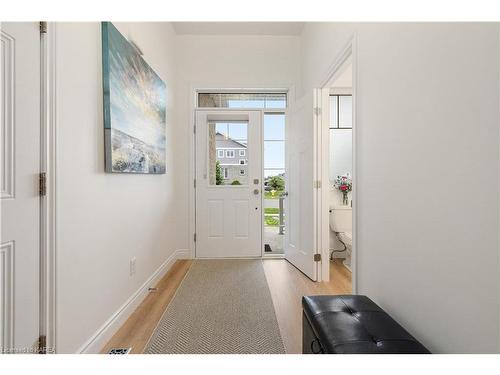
x: 95, y: 343
x: 184, y: 254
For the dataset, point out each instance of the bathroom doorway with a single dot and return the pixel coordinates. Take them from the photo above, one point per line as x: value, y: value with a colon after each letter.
x: 340, y: 179
x: 336, y: 169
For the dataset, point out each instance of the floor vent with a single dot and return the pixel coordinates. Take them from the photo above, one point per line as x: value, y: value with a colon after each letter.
x: 120, y: 351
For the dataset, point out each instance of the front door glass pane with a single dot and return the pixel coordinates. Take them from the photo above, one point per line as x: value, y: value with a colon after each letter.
x: 228, y: 153
x: 274, y: 182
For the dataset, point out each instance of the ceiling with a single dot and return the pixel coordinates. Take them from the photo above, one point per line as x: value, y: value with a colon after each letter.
x: 238, y: 28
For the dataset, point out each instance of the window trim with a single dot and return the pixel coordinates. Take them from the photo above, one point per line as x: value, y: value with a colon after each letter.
x: 242, y: 160
x: 242, y: 172
x: 230, y: 151
x: 220, y: 153
x: 242, y: 152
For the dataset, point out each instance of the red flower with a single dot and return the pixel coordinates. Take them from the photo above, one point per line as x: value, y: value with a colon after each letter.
x: 343, y: 187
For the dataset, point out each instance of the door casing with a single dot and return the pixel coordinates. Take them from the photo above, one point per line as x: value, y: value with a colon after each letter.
x: 321, y: 160
x: 194, y: 90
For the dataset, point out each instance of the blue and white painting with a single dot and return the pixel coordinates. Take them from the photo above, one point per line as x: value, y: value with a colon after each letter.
x: 134, y: 108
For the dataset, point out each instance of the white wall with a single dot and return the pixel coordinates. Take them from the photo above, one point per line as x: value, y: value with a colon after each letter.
x: 106, y: 219
x: 225, y: 61
x: 428, y: 118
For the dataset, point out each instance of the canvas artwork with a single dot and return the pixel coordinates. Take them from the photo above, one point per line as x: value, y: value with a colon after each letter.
x: 134, y: 108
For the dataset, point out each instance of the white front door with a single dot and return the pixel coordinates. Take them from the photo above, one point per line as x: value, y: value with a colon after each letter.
x: 19, y: 199
x: 228, y: 184
x: 299, y: 245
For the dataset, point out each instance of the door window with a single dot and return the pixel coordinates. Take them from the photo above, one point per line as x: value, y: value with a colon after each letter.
x: 224, y: 138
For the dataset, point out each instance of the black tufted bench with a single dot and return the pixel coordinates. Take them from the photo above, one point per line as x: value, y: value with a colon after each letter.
x: 352, y: 325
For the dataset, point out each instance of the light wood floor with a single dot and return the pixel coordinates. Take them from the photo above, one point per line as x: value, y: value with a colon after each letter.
x: 139, y: 327
x: 287, y: 286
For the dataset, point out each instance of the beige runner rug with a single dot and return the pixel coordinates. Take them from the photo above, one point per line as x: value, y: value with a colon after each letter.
x: 221, y: 307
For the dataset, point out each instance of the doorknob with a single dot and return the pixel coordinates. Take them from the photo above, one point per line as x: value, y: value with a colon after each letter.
x: 284, y: 194
x: 256, y: 191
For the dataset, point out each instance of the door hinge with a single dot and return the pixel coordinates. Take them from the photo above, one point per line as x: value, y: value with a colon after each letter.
x: 194, y: 128
x: 317, y: 111
x: 42, y: 184
x: 317, y: 257
x: 42, y: 344
x: 43, y: 27
x: 317, y: 184
x: 194, y: 237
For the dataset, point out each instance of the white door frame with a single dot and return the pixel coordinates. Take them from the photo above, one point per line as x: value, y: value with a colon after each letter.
x: 321, y: 162
x: 193, y: 100
x: 48, y: 222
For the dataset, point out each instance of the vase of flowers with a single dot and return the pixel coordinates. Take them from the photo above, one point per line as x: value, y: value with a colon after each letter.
x: 344, y: 185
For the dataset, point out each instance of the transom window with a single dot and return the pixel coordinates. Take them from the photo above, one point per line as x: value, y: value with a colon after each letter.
x: 267, y: 100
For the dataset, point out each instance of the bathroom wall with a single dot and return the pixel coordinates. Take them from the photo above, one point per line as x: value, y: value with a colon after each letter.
x: 427, y: 240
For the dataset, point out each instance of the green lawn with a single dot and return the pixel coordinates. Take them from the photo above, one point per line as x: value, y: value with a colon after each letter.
x: 269, y: 195
x: 272, y: 221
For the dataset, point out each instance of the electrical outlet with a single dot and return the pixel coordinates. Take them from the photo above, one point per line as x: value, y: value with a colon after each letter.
x: 132, y: 266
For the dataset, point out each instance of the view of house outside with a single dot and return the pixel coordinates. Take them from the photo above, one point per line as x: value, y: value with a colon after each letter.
x: 231, y: 153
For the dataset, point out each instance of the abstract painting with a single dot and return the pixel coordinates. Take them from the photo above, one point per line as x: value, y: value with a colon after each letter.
x: 134, y: 108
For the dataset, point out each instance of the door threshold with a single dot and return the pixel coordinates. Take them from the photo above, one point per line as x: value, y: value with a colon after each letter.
x: 273, y: 256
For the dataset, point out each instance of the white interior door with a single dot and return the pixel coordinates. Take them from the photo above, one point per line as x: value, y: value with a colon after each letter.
x: 19, y: 200
x: 228, y: 184
x: 299, y: 235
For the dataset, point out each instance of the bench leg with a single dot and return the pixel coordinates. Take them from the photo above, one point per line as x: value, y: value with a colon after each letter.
x: 310, y: 343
